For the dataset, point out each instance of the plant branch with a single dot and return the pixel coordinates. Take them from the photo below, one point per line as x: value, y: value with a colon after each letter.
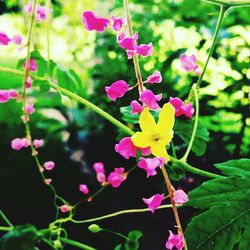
x: 184, y: 158
x: 5, y: 218
x: 171, y: 195
x: 6, y: 229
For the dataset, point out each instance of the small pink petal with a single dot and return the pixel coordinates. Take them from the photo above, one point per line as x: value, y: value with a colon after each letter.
x: 180, y: 197
x: 38, y: 143
x: 145, y: 49
x: 32, y: 65
x: 126, y: 148
x: 136, y: 107
x: 13, y: 94
x: 94, y: 22
x: 154, y: 202
x: 19, y: 143
x: 155, y: 77
x: 116, y: 177
x: 4, y: 39
x: 29, y: 108
x: 188, y: 63
x: 49, y: 165
x: 4, y: 96
x: 17, y: 39
x: 117, y: 23
x: 117, y: 90
x: 150, y: 165
x: 175, y: 241
x: 48, y: 181
x: 84, y: 188
x: 128, y: 43
x: 29, y: 82
x: 64, y: 208
x: 150, y: 99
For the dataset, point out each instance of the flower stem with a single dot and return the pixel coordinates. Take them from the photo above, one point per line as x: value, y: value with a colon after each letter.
x: 176, y: 215
x: 5, y: 218
x: 90, y: 105
x: 6, y: 229
x: 76, y: 244
x: 115, y: 233
x: 223, y: 9
x: 135, y: 57
x: 184, y: 158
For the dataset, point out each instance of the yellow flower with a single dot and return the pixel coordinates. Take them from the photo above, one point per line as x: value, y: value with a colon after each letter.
x: 156, y: 136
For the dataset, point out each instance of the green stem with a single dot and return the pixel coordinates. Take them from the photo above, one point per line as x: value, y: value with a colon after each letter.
x: 115, y: 233
x: 76, y: 244
x: 128, y: 211
x: 233, y: 3
x: 6, y: 229
x: 223, y: 10
x: 5, y: 218
x: 90, y: 105
x: 194, y: 170
x: 184, y: 158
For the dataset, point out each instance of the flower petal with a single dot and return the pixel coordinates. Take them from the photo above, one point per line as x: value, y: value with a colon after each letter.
x: 147, y: 121
x: 142, y: 140
x: 166, y: 118
x: 159, y: 150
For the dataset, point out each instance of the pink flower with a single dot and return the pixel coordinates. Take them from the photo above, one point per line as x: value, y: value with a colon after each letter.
x: 49, y: 165
x: 13, y: 94
x: 32, y: 65
x: 28, y: 8
x: 117, y: 90
x: 38, y: 143
x: 180, y: 197
x: 155, y: 77
x: 19, y: 143
x: 127, y: 149
x: 84, y: 188
x: 94, y: 22
x: 127, y: 43
x: 154, y: 202
x: 29, y: 108
x: 40, y: 12
x: 48, y: 181
x: 4, y: 39
x: 116, y: 177
x: 4, y: 96
x: 17, y: 39
x: 145, y: 49
x: 150, y: 99
x: 117, y: 23
x: 136, y: 107
x: 150, y: 164
x: 175, y: 241
x: 29, y: 82
x: 181, y: 108
x: 64, y: 208
x: 188, y: 63
x: 100, y: 172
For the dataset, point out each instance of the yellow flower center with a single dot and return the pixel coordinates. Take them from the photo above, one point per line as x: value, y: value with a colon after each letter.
x: 156, y: 137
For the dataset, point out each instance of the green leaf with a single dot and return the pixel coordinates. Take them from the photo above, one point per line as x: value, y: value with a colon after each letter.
x: 127, y: 116
x: 43, y: 84
x: 133, y: 240
x: 225, y: 220
x: 67, y: 78
x: 20, y: 238
x: 176, y: 172
x: 183, y: 129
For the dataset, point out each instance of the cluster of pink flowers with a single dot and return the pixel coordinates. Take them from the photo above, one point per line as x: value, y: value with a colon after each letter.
x: 115, y: 178
x: 40, y: 12
x: 6, y: 95
x: 5, y: 39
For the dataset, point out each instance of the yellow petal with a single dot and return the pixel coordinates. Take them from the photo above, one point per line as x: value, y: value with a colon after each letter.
x: 166, y: 119
x: 142, y: 140
x: 147, y: 121
x: 159, y: 150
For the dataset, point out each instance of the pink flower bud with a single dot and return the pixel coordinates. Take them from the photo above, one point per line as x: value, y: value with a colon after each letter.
x: 117, y: 23
x: 175, y: 241
x: 99, y: 167
x: 150, y: 164
x: 101, y: 177
x: 94, y: 22
x: 19, y: 143
x: 17, y: 39
x: 84, y: 188
x: 155, y: 77
x: 32, y: 65
x: 136, y: 107
x: 4, y: 96
x: 38, y: 143
x: 4, y: 39
x: 13, y: 94
x: 117, y: 90
x: 29, y: 82
x: 145, y: 49
x: 181, y: 108
x: 188, y: 63
x: 116, y: 177
x: 48, y: 181
x: 29, y: 108
x: 180, y: 197
x: 64, y: 208
x: 154, y: 202
x: 150, y: 99
x: 49, y: 165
